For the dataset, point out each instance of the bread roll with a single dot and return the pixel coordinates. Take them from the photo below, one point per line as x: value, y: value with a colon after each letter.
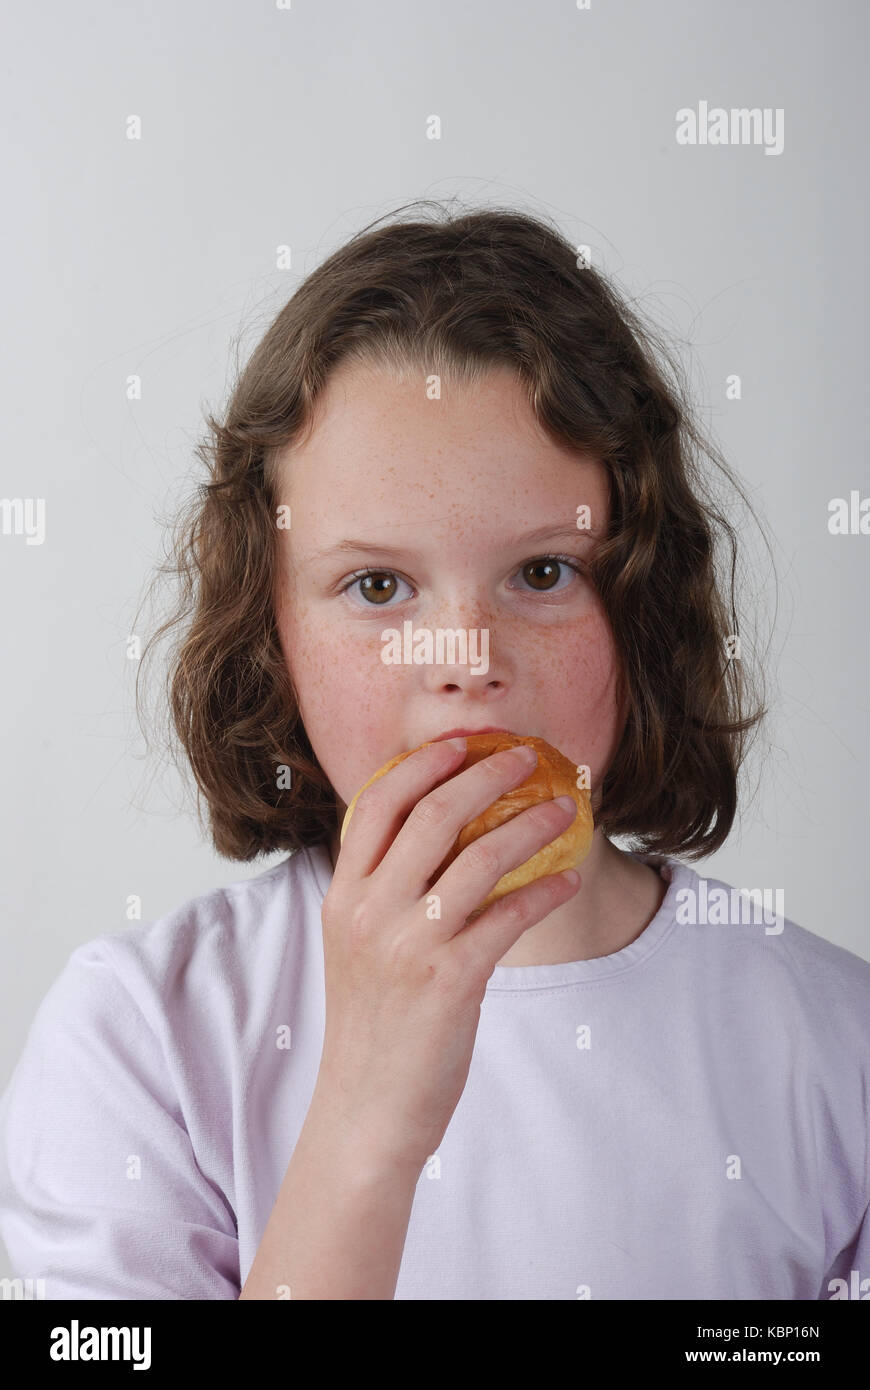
x: 553, y: 775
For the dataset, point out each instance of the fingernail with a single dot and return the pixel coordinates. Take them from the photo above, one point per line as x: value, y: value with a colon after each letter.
x: 456, y: 742
x: 571, y: 876
x: 566, y: 802
x: 528, y: 755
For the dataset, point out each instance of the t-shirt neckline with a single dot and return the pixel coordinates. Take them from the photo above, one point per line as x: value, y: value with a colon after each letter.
x: 509, y: 978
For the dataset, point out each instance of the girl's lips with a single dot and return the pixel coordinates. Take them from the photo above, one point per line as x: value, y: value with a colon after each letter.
x: 459, y: 733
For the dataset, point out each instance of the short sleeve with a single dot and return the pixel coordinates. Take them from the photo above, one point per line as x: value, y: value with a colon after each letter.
x: 101, y: 1194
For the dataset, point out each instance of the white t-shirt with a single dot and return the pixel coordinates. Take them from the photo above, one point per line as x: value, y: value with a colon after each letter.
x: 684, y: 1119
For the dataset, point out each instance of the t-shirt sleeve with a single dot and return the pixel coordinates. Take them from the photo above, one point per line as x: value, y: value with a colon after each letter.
x: 101, y: 1193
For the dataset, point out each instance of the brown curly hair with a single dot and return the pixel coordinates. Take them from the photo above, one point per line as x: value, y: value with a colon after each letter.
x: 458, y: 294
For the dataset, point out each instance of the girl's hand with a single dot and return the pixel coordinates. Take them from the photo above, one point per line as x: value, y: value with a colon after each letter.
x: 403, y: 988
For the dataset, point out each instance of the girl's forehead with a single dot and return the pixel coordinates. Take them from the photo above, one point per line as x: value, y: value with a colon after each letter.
x: 362, y: 404
x: 369, y: 455
x: 381, y: 456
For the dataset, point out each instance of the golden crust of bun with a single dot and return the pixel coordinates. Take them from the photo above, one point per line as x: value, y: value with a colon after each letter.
x: 553, y: 775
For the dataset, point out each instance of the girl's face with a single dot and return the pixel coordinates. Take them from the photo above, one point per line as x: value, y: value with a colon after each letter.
x: 439, y: 498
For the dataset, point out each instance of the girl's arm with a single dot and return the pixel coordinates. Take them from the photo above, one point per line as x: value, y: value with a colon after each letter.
x: 339, y: 1223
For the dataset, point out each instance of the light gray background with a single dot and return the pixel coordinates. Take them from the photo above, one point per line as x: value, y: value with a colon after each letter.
x: 265, y: 127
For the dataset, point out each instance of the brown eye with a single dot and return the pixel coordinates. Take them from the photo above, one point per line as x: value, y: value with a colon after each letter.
x: 379, y: 586
x: 376, y: 587
x: 542, y: 573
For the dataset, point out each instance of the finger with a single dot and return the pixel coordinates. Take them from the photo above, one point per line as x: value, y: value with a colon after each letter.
x: 432, y: 825
x: 491, y: 933
x: 382, y: 808
x: 476, y: 871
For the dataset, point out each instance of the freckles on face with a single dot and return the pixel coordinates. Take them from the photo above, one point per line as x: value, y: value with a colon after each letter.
x: 348, y: 699
x: 575, y: 673
x: 450, y: 485
x: 354, y: 707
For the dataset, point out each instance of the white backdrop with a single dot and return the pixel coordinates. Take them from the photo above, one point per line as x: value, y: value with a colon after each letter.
x: 266, y: 126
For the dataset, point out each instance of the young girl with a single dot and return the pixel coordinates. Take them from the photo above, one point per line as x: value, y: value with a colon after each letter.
x: 325, y: 1081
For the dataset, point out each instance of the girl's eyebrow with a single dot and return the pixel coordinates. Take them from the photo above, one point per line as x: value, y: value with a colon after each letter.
x: 558, y: 531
